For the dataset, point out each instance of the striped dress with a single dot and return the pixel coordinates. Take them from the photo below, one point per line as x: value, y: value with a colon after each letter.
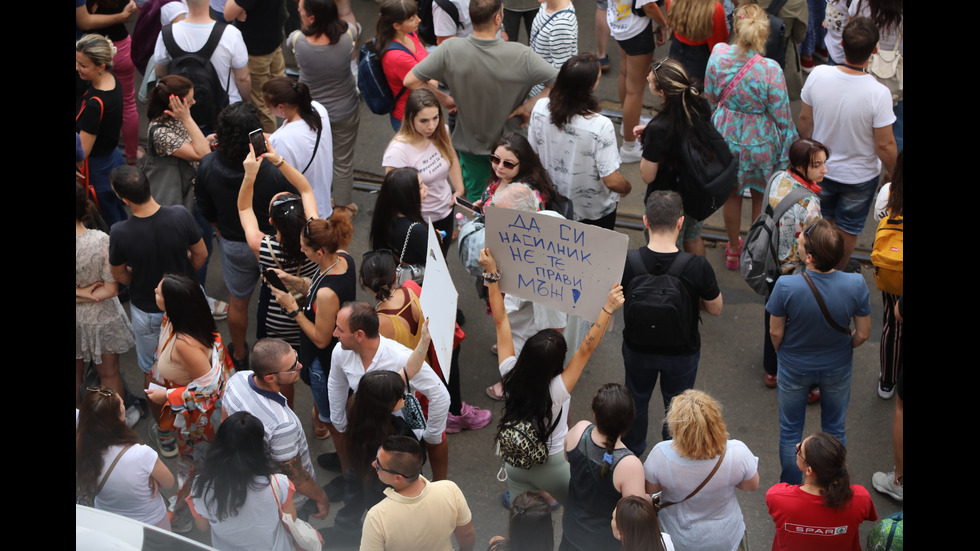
x: 273, y: 321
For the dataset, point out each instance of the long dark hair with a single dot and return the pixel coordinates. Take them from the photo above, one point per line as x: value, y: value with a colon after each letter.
x: 83, y: 206
x: 99, y: 426
x: 613, y: 409
x: 686, y: 112
x: 289, y: 218
x: 399, y: 194
x: 187, y: 308
x: 159, y: 100
x: 886, y: 13
x: 326, y: 19
x: 526, y: 386
x: 237, y: 460
x: 896, y: 192
x: 370, y: 416
x: 638, y: 525
x: 530, y: 524
x: 391, y: 12
x: 530, y: 171
x: 234, y: 124
x: 284, y: 90
x: 828, y: 459
x: 378, y: 273
x: 572, y: 93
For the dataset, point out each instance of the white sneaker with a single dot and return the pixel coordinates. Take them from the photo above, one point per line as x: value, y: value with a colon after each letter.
x: 132, y: 416
x: 630, y: 155
x: 885, y: 393
x: 885, y: 483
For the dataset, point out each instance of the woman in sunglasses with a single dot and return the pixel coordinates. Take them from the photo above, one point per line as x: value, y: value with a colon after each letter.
x: 513, y: 160
x: 288, y: 213
x: 333, y: 284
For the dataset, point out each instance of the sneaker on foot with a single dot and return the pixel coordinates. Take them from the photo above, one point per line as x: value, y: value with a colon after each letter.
x: 885, y: 392
x: 329, y: 461
x: 473, y: 418
x: 885, y: 483
x: 631, y: 154
x: 813, y: 396
x: 604, y: 64
x: 771, y: 381
x: 168, y: 444
x: 132, y: 416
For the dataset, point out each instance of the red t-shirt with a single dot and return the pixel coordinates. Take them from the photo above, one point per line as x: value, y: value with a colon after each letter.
x: 804, y: 523
x: 396, y: 63
x: 719, y: 30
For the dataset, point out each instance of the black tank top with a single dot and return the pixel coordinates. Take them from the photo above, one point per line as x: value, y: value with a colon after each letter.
x: 345, y: 286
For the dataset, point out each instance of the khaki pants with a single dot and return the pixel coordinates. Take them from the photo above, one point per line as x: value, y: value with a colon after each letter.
x: 263, y: 68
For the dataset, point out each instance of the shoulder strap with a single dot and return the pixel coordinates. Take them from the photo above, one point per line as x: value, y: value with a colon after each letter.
x: 738, y: 77
x: 212, y: 44
x: 451, y: 10
x: 317, y: 144
x: 552, y: 16
x: 636, y: 262
x: 698, y: 489
x: 823, y: 306
x: 101, y: 108
x: 408, y: 234
x: 170, y: 44
x: 677, y: 265
x: 774, y: 8
x: 113, y: 466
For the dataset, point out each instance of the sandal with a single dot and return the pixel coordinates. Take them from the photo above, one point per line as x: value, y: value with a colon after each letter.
x: 321, y: 429
x: 220, y: 310
x: 731, y: 256
x: 493, y: 395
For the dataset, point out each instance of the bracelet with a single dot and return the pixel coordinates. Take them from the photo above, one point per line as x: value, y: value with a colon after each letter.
x: 281, y: 161
x: 606, y: 311
x: 294, y: 313
x: 491, y: 277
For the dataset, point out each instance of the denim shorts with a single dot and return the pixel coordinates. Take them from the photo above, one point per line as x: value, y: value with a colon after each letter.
x: 239, y: 267
x: 601, y: 4
x: 641, y: 44
x: 847, y: 205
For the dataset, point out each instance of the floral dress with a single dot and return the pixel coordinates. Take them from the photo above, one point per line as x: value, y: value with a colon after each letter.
x: 755, y: 118
x: 100, y: 327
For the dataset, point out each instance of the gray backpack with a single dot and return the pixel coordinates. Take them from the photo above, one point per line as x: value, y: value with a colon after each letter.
x: 759, y: 261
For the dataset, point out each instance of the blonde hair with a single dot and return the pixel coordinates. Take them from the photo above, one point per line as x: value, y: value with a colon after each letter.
x: 695, y: 424
x: 694, y: 19
x: 97, y: 48
x: 751, y: 28
x: 418, y: 100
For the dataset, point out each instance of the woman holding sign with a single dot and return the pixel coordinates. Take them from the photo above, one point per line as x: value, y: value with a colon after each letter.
x: 538, y: 392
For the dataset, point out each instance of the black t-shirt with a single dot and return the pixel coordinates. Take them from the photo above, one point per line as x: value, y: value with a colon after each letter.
x: 656, y: 144
x: 216, y: 190
x: 418, y: 242
x: 153, y: 246
x: 101, y: 116
x: 699, y: 276
x: 262, y: 28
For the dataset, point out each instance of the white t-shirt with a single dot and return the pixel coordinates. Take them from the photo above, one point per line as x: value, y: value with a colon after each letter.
x: 712, y: 519
x: 577, y: 157
x: 434, y: 169
x: 170, y: 11
x: 127, y: 491
x: 295, y: 141
x: 846, y: 110
x: 230, y: 53
x: 256, y: 527
x: 560, y: 404
x: 623, y: 24
x: 444, y: 24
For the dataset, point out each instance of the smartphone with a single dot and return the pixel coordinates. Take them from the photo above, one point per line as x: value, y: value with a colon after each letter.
x: 468, y: 205
x: 257, y: 139
x: 273, y: 278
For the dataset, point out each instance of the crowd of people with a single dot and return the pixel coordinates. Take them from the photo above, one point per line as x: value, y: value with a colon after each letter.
x: 236, y: 150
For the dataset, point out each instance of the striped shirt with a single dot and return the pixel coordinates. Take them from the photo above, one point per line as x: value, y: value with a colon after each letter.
x: 283, y: 429
x: 277, y: 323
x: 554, y: 37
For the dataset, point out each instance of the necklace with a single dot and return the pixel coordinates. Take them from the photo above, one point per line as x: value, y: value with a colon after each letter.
x: 324, y: 272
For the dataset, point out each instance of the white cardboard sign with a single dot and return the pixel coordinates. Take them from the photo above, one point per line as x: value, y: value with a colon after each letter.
x: 438, y: 301
x: 560, y: 263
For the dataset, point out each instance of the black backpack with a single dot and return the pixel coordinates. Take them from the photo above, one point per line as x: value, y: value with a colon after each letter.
x: 210, y: 97
x: 778, y: 37
x: 705, y: 185
x: 659, y: 310
x: 427, y: 28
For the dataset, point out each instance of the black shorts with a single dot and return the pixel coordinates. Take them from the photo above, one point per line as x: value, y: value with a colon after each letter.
x: 641, y: 44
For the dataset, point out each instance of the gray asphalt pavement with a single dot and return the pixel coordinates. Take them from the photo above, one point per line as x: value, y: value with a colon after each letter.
x: 730, y: 368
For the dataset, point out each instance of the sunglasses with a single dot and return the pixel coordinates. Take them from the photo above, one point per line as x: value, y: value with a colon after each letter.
x: 378, y: 467
x: 292, y: 368
x: 509, y: 165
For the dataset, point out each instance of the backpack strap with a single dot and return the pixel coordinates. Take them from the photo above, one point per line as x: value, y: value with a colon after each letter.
x: 170, y: 44
x: 535, y: 35
x: 395, y: 46
x: 450, y: 10
x: 823, y: 306
x: 212, y: 44
x: 774, y: 8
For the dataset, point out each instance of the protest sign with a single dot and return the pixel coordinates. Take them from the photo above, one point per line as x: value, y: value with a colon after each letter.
x: 560, y: 263
x: 438, y: 302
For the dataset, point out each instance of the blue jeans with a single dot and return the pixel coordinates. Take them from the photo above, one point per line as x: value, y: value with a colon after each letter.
x: 794, y: 385
x: 318, y: 386
x: 677, y: 374
x: 146, y: 329
x: 847, y: 205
